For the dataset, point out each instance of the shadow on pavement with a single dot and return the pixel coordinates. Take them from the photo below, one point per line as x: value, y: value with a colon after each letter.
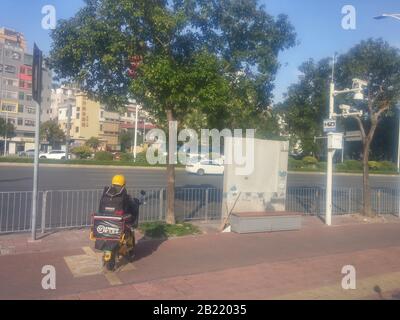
x: 145, y: 248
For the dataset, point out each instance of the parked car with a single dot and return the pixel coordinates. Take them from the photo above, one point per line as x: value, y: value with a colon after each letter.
x: 30, y: 153
x: 205, y: 167
x: 54, y: 154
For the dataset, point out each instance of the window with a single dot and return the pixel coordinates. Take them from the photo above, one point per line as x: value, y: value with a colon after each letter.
x: 8, y: 107
x: 30, y: 110
x: 16, y: 56
x: 10, y: 82
x: 10, y: 69
x: 28, y: 97
x: 28, y: 59
x: 21, y: 96
x: 77, y: 116
x: 20, y: 121
x: 10, y: 95
x: 29, y: 123
x: 21, y: 108
x: 76, y: 129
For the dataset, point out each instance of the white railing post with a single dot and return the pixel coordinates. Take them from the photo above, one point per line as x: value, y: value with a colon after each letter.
x: 206, y: 206
x: 44, y: 205
x: 161, y: 204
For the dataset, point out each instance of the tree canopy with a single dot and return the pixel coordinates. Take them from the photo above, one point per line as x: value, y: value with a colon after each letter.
x: 93, y: 143
x: 215, y: 58
x: 6, y: 128
x: 52, y: 133
x: 306, y: 104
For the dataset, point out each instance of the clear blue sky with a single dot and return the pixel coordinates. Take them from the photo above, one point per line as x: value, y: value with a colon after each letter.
x: 317, y: 23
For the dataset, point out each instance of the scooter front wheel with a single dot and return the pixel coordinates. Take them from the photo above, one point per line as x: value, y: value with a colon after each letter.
x: 110, y: 265
x: 109, y: 260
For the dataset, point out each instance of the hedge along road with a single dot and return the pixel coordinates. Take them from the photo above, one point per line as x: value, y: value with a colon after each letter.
x: 19, y: 178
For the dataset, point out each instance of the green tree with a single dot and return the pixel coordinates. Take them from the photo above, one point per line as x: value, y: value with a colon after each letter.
x: 378, y: 63
x: 52, y: 133
x: 6, y: 130
x: 176, y: 58
x: 93, y: 143
x: 306, y: 105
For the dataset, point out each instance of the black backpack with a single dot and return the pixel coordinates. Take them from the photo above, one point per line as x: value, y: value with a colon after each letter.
x: 113, y: 201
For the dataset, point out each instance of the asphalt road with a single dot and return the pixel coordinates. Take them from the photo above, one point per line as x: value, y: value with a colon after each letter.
x: 19, y: 178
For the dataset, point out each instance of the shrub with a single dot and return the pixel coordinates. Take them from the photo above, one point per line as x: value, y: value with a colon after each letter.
x: 295, y: 164
x: 310, y: 161
x: 126, y: 157
x: 322, y: 166
x: 82, y: 152
x: 350, y: 165
x: 103, y: 156
x: 374, y: 165
x: 387, y: 166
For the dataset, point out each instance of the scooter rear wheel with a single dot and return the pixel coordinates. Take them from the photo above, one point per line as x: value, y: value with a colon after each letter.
x: 110, y: 265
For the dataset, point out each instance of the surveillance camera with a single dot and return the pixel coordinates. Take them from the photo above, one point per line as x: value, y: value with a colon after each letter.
x: 345, y: 108
x: 359, y: 84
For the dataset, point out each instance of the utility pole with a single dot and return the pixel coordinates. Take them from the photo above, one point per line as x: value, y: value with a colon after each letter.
x: 68, y: 135
x: 336, y: 140
x: 329, y: 174
x: 5, y: 134
x: 136, y: 131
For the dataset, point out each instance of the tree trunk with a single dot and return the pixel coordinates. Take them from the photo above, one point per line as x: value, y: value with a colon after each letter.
x: 170, y: 217
x: 366, y: 187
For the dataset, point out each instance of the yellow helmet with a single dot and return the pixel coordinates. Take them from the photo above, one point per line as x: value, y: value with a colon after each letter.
x: 118, y: 180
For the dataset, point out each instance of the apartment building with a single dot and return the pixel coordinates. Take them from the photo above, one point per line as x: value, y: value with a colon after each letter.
x: 128, y: 119
x: 90, y: 119
x: 16, y: 104
x: 110, y: 129
x: 61, y: 99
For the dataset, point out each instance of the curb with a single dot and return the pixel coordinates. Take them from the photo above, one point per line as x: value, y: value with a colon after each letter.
x: 79, y: 166
x: 344, y: 174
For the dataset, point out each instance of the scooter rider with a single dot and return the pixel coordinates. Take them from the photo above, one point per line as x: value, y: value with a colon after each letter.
x: 116, y: 200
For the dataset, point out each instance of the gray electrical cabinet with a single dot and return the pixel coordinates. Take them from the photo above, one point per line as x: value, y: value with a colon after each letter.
x: 255, y: 187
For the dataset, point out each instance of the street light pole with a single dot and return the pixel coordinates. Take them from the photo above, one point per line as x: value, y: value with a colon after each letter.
x: 136, y: 132
x: 5, y: 135
x: 329, y: 175
x: 331, y: 153
x: 69, y: 111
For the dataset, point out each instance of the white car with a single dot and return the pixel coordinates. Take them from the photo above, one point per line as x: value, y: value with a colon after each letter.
x: 205, y: 167
x: 54, y: 155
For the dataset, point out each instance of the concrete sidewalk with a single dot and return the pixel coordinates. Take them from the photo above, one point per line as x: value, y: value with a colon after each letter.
x: 305, y: 264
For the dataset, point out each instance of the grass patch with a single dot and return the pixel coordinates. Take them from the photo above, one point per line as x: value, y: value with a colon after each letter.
x: 83, y: 162
x: 121, y: 163
x: 160, y: 229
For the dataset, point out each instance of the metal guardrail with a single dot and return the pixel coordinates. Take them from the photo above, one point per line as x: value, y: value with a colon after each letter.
x: 69, y: 209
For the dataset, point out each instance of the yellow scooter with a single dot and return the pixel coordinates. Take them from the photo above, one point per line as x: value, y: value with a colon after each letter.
x: 114, y: 235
